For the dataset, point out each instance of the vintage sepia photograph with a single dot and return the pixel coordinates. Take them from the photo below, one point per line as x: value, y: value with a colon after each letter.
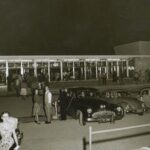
x: 75, y: 75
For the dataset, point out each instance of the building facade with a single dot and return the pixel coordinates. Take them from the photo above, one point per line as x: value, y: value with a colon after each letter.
x: 65, y: 68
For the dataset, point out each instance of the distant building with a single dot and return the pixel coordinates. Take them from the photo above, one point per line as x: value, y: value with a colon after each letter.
x: 135, y: 48
x: 140, y: 51
x: 64, y: 68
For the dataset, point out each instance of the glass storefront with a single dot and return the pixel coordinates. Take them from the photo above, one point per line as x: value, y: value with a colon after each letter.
x: 2, y: 73
x: 55, y: 71
x: 65, y: 69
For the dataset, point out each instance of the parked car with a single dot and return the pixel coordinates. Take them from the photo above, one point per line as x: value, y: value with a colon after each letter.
x: 144, y: 95
x: 125, y: 99
x: 86, y: 105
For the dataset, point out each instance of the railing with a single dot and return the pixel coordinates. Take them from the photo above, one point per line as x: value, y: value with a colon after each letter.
x: 91, y: 132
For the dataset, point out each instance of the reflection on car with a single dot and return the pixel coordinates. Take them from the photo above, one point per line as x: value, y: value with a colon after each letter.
x: 86, y: 105
x: 123, y: 98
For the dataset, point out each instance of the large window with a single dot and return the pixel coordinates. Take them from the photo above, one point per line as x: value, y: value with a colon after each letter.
x: 28, y: 68
x: 79, y: 70
x: 67, y: 71
x: 42, y: 71
x: 55, y: 74
x: 91, y: 70
x: 2, y: 73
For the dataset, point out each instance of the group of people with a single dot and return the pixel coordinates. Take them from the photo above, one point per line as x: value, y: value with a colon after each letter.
x: 9, y: 125
x: 37, y: 105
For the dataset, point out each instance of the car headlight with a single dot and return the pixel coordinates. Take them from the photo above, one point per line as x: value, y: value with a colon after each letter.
x: 102, y: 106
x: 119, y: 109
x: 89, y: 110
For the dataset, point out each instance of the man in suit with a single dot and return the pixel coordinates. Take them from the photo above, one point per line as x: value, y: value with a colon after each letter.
x: 48, y: 105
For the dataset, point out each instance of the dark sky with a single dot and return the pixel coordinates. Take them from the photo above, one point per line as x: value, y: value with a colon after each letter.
x: 73, y: 27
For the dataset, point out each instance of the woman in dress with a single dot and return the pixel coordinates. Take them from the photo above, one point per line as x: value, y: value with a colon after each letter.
x: 7, y: 132
x: 36, y: 106
x: 23, y: 91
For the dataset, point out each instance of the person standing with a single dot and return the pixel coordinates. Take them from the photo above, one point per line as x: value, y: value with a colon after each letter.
x: 36, y: 106
x: 48, y: 105
x: 63, y: 103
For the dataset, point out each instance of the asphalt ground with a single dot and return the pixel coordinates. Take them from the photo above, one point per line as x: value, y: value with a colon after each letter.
x: 69, y: 135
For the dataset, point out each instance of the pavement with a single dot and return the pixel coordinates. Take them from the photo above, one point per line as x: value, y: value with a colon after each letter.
x: 69, y: 135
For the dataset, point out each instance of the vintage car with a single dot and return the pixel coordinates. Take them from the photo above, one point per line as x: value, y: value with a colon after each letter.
x: 144, y: 95
x: 130, y: 103
x: 86, y: 105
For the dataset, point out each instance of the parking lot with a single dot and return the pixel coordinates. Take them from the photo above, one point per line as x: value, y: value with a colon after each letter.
x: 65, y: 135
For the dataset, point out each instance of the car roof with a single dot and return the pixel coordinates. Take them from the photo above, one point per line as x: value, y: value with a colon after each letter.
x: 144, y: 88
x: 117, y: 90
x: 82, y: 88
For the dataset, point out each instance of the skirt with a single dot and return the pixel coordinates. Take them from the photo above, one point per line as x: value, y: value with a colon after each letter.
x: 23, y: 92
x: 36, y: 109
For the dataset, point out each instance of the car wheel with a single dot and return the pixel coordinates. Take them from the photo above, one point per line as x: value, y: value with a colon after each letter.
x: 141, y: 113
x: 81, y: 119
x: 125, y: 107
x: 120, y: 114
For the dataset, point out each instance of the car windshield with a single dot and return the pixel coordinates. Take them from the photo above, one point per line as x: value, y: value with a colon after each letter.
x: 84, y: 93
x: 115, y: 94
x: 146, y: 92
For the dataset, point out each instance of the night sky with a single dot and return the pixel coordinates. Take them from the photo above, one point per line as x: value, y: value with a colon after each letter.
x: 71, y: 27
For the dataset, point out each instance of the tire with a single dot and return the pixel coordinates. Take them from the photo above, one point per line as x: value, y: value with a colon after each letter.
x: 124, y: 106
x: 81, y: 119
x: 122, y: 114
x: 141, y: 113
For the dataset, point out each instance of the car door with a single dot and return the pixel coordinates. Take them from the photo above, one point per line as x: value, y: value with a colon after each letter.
x: 145, y: 96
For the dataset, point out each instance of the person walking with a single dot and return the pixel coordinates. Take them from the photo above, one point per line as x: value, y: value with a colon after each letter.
x: 23, y: 91
x: 48, y: 105
x: 36, y: 106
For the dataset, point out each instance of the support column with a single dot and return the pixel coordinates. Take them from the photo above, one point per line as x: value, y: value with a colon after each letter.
x: 96, y: 70
x: 7, y: 71
x: 35, y: 68
x: 118, y: 69
x: 49, y: 75
x: 84, y: 70
x: 21, y: 68
x: 61, y: 70
x: 106, y: 69
x: 112, y: 67
x: 90, y: 69
x: 127, y: 65
x: 73, y: 70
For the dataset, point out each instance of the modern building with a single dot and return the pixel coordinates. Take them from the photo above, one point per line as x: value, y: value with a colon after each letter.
x: 140, y: 50
x: 60, y: 68
x: 134, y: 48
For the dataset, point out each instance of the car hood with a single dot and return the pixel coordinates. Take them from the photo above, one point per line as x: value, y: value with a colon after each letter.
x: 96, y: 102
